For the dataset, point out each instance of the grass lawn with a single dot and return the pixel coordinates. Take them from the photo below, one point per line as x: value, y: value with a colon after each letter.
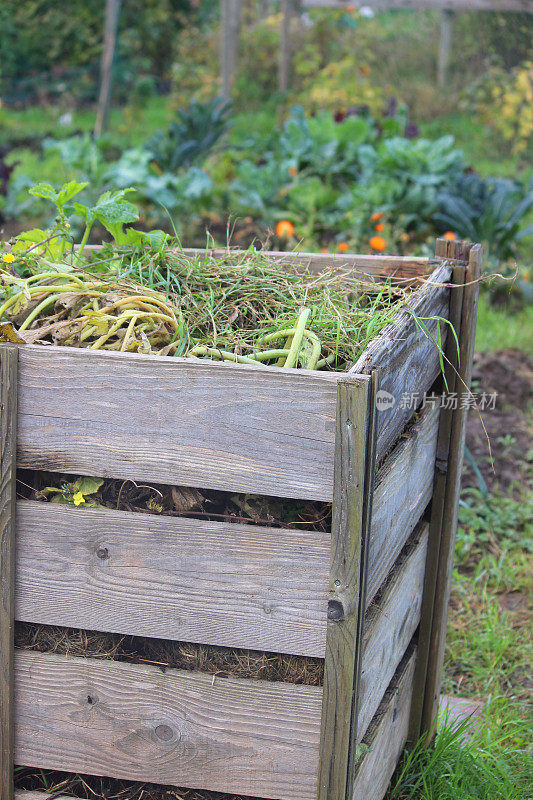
x: 496, y: 329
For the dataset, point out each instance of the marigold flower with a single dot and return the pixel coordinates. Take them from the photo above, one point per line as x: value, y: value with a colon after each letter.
x: 284, y: 229
x: 376, y: 215
x: 78, y: 498
x: 324, y: 250
x: 380, y: 226
x: 343, y: 246
x: 378, y: 243
x: 293, y: 171
x: 8, y: 258
x: 404, y: 237
x: 450, y: 235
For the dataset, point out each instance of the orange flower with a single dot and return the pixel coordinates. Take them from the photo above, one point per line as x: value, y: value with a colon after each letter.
x: 404, y: 237
x: 378, y: 243
x: 350, y: 9
x: 450, y: 235
x: 324, y: 250
x: 293, y: 171
x: 343, y: 246
x: 284, y: 229
x: 380, y: 227
x: 375, y: 216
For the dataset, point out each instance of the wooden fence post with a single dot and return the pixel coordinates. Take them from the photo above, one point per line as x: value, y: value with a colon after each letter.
x: 8, y: 424
x: 229, y: 43
x: 354, y: 443
x: 112, y: 9
x: 285, y: 55
x: 445, y: 46
x: 466, y: 262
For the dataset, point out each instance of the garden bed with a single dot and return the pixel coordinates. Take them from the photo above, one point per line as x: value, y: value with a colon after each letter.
x: 173, y: 692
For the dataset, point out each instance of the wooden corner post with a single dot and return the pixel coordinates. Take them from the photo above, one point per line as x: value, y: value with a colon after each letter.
x: 354, y: 467
x: 8, y: 428
x: 465, y: 260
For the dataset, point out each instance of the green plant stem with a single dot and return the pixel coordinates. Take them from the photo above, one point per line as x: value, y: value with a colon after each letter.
x: 84, y: 240
x: 37, y: 310
x: 297, y: 339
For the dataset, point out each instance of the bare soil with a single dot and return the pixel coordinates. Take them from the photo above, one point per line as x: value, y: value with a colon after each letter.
x: 508, y: 428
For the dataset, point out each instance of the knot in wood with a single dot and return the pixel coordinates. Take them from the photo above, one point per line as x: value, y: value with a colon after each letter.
x: 335, y: 610
x: 164, y: 733
x: 102, y: 553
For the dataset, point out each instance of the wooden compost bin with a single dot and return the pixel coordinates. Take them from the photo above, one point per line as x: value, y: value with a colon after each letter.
x: 370, y: 598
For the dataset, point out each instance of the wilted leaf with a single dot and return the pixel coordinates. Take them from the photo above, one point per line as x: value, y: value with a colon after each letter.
x: 9, y: 334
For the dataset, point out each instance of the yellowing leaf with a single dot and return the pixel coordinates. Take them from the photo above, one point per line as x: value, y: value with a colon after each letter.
x: 9, y: 334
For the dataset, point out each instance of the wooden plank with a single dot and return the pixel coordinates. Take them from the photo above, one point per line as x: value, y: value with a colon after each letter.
x: 390, y: 625
x: 525, y: 6
x: 437, y: 639
x: 367, y: 503
x: 408, y: 359
x: 386, y: 736
x: 439, y: 486
x: 351, y: 446
x: 403, y: 490
x: 191, y: 422
x: 362, y: 265
x: 21, y: 794
x: 175, y: 728
x: 173, y: 578
x: 8, y: 424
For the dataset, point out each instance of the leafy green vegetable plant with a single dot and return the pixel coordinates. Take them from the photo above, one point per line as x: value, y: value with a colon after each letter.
x: 490, y: 211
x: 198, y: 129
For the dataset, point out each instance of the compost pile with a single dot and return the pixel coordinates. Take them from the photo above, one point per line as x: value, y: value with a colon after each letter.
x: 243, y: 308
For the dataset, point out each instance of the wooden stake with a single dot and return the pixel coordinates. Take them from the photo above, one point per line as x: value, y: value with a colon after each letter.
x: 368, y: 496
x: 285, y: 55
x: 444, y: 506
x: 229, y: 44
x: 445, y: 46
x: 351, y: 446
x: 8, y: 422
x: 112, y: 9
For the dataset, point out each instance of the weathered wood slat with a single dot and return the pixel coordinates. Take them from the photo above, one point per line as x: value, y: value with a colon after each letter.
x: 389, y: 626
x: 8, y: 424
x: 175, y: 728
x: 386, y: 736
x: 20, y: 794
x: 366, y: 518
x: 174, y: 578
x: 177, y: 421
x: 439, y: 487
x: 453, y: 468
x: 407, y: 358
x: 402, y: 492
x: 351, y: 446
x: 361, y: 265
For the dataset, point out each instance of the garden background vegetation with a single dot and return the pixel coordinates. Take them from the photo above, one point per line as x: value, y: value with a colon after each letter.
x: 364, y: 147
